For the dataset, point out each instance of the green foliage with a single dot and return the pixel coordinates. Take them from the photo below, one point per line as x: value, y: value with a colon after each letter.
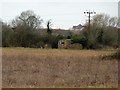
x: 81, y: 40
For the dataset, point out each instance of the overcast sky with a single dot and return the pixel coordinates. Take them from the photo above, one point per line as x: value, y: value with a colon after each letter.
x: 64, y: 13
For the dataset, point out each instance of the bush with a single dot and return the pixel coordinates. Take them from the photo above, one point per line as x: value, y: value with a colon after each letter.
x: 81, y: 40
x: 40, y: 45
x: 110, y: 37
x: 7, y: 34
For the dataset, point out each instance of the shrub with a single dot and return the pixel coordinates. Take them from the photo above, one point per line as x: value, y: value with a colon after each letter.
x: 40, y: 45
x: 81, y: 40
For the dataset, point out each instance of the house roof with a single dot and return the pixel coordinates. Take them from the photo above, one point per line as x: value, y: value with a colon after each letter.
x: 78, y: 27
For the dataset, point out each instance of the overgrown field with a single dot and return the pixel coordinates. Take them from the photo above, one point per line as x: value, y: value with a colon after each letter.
x: 40, y: 68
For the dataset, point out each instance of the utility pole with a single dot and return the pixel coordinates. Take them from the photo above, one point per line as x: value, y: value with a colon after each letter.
x: 89, y: 32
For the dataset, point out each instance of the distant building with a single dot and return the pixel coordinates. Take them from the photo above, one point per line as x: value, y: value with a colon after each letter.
x: 79, y: 27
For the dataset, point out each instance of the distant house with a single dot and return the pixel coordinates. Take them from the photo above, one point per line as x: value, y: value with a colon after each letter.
x: 68, y: 44
x: 79, y: 27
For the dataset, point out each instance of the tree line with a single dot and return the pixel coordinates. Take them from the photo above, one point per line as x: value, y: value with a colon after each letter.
x: 21, y: 32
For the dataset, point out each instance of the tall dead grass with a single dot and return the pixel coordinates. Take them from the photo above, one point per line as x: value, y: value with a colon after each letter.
x: 58, y: 68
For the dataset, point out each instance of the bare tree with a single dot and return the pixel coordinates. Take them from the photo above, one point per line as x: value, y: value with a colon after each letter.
x: 29, y: 19
x: 113, y: 22
x: 104, y: 20
x: 100, y: 25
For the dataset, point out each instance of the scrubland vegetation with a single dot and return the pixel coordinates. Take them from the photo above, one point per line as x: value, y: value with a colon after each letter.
x: 23, y: 31
x: 30, y: 65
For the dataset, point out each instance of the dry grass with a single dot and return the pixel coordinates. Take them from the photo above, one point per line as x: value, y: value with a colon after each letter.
x: 41, y: 68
